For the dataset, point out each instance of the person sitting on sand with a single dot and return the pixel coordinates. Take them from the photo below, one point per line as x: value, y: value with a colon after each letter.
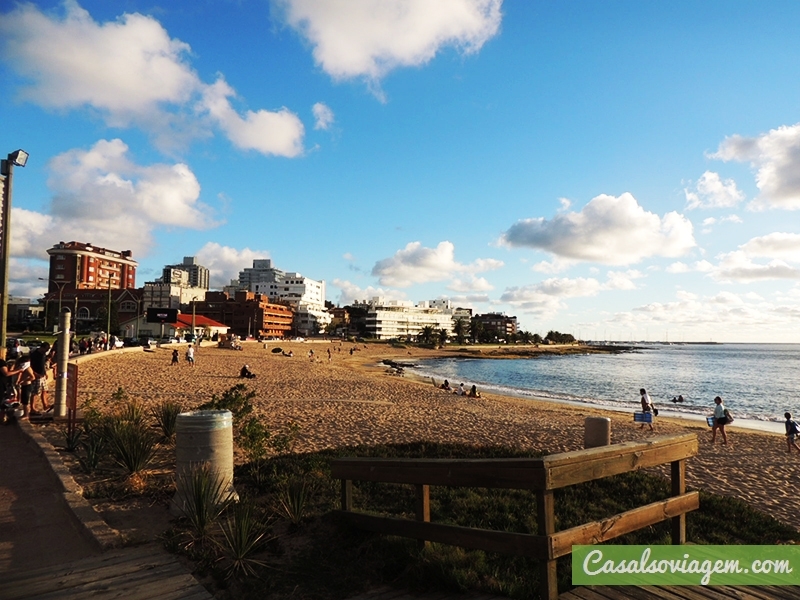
x: 792, y: 431
x: 460, y: 391
x: 446, y: 386
x: 246, y: 373
x: 474, y: 393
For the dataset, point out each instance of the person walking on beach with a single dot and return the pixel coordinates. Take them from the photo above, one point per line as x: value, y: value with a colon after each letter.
x: 190, y: 355
x: 647, y: 407
x: 720, y: 420
x: 175, y: 358
x: 792, y: 431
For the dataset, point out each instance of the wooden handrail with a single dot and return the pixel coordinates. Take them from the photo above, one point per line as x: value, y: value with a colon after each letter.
x: 543, y: 475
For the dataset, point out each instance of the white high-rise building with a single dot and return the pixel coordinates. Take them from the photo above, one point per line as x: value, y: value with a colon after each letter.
x: 389, y: 319
x: 306, y: 296
x: 261, y: 272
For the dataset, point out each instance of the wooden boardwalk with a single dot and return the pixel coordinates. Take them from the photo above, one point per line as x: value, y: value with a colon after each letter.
x: 612, y: 593
x: 142, y: 573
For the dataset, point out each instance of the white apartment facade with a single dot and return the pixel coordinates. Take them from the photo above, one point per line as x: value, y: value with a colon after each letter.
x: 390, y: 319
x: 306, y: 296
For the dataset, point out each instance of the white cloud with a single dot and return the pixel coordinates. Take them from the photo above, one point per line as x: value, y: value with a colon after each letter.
x: 711, y: 192
x: 369, y: 38
x: 776, y: 156
x: 622, y: 280
x: 609, y: 230
x: 323, y: 116
x: 784, y: 246
x: 133, y: 74
x: 101, y: 193
x: 417, y: 264
x: 224, y: 262
x: 473, y: 284
x: 545, y: 298
x: 737, y: 266
x: 350, y: 292
x: 269, y: 132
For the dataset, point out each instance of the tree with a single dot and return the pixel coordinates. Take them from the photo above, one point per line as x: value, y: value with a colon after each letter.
x: 537, y: 339
x: 426, y: 335
x: 525, y: 337
x: 476, y: 330
x: 460, y: 328
x: 443, y: 335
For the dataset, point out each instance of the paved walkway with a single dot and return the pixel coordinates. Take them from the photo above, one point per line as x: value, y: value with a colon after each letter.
x: 37, y: 527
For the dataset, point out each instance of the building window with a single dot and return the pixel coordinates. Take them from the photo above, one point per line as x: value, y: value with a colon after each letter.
x: 60, y: 257
x: 127, y: 306
x: 59, y: 276
x: 91, y: 277
x: 83, y: 313
x: 91, y: 269
x: 59, y: 267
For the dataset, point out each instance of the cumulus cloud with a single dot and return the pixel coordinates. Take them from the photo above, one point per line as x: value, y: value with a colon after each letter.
x: 738, y: 266
x: 546, y: 297
x: 776, y: 157
x: 609, y: 230
x: 711, y: 192
x: 269, y: 132
x: 224, y: 262
x: 369, y: 38
x: 351, y: 292
x: 473, y: 284
x: 417, y: 264
x: 132, y: 73
x: 323, y: 116
x: 779, y: 245
x: 102, y: 193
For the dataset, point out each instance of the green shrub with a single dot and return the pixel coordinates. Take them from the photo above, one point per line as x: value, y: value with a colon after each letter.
x: 131, y: 444
x: 244, y: 534
x: 166, y: 415
x: 202, y: 498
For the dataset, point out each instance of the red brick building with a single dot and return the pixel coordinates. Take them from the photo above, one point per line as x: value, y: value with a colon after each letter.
x: 84, y: 277
x: 247, y: 313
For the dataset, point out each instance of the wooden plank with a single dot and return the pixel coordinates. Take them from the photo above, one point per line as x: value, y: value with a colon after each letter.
x: 570, y: 468
x: 546, y: 526
x: 91, y: 563
x: 637, y: 518
x: 678, y: 483
x: 423, y: 507
x: 508, y: 473
x: 522, y: 544
x: 347, y: 494
x: 37, y: 583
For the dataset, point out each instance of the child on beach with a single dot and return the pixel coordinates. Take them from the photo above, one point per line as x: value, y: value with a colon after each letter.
x: 792, y: 431
x: 175, y: 358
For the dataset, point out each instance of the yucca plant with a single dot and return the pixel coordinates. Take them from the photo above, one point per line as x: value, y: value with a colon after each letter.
x: 131, y: 445
x: 202, y: 498
x: 244, y: 534
x: 93, y: 445
x: 72, y: 438
x: 292, y: 500
x: 166, y: 415
x: 131, y: 412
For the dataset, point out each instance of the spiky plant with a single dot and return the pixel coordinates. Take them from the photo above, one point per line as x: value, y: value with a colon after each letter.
x: 202, y: 498
x: 244, y: 534
x: 166, y: 415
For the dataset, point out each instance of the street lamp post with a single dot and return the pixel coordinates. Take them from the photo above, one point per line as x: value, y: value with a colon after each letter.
x: 60, y: 285
x: 18, y: 158
x: 194, y: 334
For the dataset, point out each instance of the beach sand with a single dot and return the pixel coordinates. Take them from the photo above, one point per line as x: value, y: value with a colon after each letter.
x: 353, y: 400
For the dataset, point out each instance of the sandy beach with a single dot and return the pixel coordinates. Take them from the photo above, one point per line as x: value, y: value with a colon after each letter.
x: 353, y: 400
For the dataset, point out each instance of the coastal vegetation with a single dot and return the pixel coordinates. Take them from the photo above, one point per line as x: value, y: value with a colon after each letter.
x: 284, y: 537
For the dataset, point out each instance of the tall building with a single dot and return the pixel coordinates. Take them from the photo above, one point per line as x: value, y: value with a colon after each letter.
x: 79, y: 266
x: 388, y: 319
x: 247, y: 314
x: 262, y: 271
x: 197, y: 275
x: 497, y: 324
x: 306, y: 296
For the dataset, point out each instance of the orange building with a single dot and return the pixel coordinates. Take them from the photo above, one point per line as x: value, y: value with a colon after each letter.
x: 247, y: 313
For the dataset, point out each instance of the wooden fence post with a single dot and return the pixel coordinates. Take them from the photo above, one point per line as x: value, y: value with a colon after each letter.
x: 678, y: 469
x: 423, y: 507
x: 546, y: 523
x: 347, y: 494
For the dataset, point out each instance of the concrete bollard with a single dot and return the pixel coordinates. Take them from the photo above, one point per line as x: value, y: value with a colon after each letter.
x: 596, y: 432
x: 203, y: 437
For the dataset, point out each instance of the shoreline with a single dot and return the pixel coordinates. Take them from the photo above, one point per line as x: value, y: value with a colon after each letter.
x: 353, y: 400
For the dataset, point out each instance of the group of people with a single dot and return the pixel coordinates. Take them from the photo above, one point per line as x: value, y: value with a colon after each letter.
x: 461, y: 390
x: 24, y: 379
x: 189, y: 356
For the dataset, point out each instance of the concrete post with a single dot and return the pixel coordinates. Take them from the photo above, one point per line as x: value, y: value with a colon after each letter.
x: 62, y: 358
x: 597, y: 432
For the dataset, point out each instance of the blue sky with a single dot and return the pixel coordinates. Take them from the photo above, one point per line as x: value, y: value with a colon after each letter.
x: 618, y: 170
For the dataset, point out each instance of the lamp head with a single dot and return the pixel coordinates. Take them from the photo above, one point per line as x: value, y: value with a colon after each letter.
x: 18, y: 157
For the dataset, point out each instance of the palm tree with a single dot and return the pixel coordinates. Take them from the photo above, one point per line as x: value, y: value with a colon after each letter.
x: 460, y: 330
x: 425, y: 336
x: 443, y: 335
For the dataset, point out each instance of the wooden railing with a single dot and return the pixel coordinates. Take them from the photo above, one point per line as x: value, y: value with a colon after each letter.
x: 543, y: 475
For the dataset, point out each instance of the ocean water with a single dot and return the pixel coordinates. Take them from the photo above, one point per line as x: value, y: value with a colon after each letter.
x: 758, y: 382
